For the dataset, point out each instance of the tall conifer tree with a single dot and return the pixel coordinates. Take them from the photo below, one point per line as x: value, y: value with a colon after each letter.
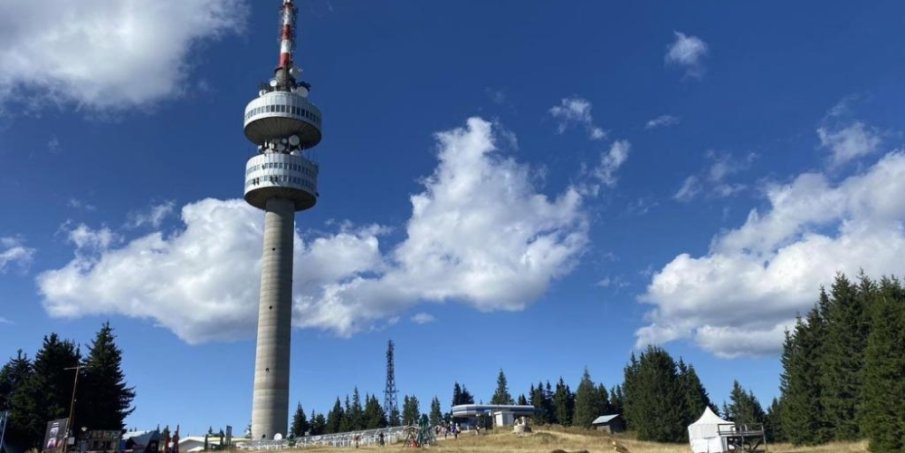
x: 773, y: 423
x: 845, y: 340
x: 884, y: 386
x: 299, y: 422
x: 654, y: 401
x: 436, y: 416
x: 46, y: 394
x: 695, y: 397
x: 374, y: 415
x: 617, y: 402
x: 744, y: 407
x: 538, y: 399
x: 563, y: 403
x: 587, y: 402
x: 803, y: 417
x: 334, y: 420
x: 13, y: 376
x: 106, y: 399
x: 501, y: 395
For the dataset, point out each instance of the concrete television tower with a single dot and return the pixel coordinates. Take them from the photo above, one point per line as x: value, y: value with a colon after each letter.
x: 280, y: 179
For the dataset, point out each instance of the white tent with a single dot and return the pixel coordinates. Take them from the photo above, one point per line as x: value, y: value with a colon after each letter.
x: 704, y: 434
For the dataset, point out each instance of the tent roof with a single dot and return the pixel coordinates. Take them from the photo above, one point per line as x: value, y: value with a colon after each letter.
x: 709, y: 418
x: 604, y: 419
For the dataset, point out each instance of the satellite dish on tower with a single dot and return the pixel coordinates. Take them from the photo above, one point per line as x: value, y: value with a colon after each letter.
x: 294, y: 140
x: 295, y: 71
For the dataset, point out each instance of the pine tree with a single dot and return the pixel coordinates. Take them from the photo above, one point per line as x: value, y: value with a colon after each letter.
x: 845, y: 340
x: 501, y: 395
x: 803, y: 418
x: 603, y: 401
x: 587, y: 402
x: 884, y: 407
x: 356, y: 412
x: 345, y: 424
x: 374, y: 415
x: 563, y: 403
x: 47, y: 392
x: 299, y: 422
x: 654, y: 401
x: 617, y: 402
x: 538, y: 400
x: 318, y: 424
x: 521, y: 400
x: 467, y: 397
x: 773, y: 423
x: 436, y: 416
x: 106, y: 400
x: 630, y: 385
x: 695, y: 396
x: 549, y: 406
x: 411, y: 410
x: 12, y: 376
x: 744, y: 407
x: 334, y: 420
x: 457, y: 395
x: 394, y: 418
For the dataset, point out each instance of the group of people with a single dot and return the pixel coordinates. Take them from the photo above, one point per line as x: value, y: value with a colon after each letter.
x: 447, y: 429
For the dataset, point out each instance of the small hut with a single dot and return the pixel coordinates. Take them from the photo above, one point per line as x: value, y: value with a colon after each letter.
x: 613, y: 423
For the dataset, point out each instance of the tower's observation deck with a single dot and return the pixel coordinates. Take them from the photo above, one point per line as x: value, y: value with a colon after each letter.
x: 283, y: 124
x: 282, y: 114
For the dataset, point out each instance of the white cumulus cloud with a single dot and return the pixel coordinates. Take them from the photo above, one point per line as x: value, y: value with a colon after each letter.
x: 662, y: 121
x: 690, y: 188
x: 713, y: 180
x: 849, y: 142
x: 13, y: 252
x: 688, y: 52
x: 576, y: 111
x: 153, y: 216
x: 87, y: 239
x: 423, y: 318
x: 106, y: 54
x: 739, y: 297
x: 610, y: 161
x: 479, y: 234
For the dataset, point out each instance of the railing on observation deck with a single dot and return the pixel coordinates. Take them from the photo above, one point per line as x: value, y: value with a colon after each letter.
x: 748, y: 437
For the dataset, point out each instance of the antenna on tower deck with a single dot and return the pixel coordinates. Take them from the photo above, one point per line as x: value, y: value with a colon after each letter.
x: 286, y: 72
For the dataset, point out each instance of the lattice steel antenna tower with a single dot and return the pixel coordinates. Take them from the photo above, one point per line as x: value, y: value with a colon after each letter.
x: 280, y: 179
x: 390, y: 403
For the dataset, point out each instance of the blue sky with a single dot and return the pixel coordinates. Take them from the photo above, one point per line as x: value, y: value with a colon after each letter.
x: 534, y: 187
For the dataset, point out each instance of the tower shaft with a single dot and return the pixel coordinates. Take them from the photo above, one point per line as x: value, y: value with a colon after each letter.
x: 270, y: 405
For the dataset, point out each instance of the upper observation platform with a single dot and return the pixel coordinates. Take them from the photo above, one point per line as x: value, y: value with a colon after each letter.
x: 279, y: 114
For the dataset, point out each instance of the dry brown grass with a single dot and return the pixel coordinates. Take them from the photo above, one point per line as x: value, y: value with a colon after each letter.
x: 549, y: 440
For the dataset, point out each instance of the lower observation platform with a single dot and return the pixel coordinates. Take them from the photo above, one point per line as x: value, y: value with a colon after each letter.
x: 281, y: 175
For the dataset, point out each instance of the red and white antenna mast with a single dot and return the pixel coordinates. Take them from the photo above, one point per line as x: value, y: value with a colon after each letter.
x: 287, y: 35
